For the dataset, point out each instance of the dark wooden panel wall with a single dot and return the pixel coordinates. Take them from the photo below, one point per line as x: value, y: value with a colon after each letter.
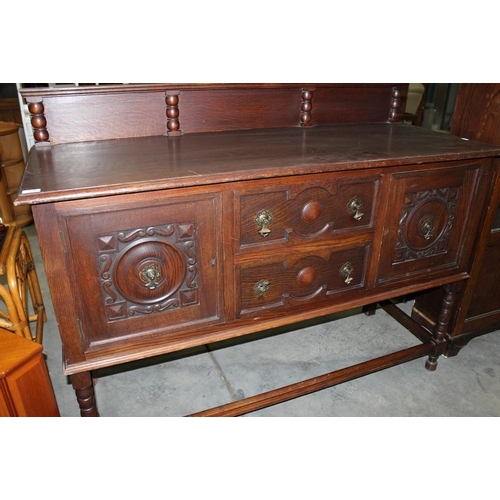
x: 75, y: 114
x: 477, y: 112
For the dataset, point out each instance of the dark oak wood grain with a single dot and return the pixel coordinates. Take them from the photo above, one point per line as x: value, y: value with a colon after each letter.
x: 172, y: 216
x: 103, y: 168
x: 63, y: 115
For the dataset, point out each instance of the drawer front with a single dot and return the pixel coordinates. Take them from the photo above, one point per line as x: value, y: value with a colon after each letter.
x: 300, y: 280
x: 430, y: 223
x: 148, y: 268
x: 312, y: 208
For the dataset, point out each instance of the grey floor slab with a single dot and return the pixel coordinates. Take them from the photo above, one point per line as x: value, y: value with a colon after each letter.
x: 467, y: 385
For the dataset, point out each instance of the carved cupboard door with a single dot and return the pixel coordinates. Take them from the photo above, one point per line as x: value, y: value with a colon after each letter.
x: 431, y: 222
x: 150, y: 265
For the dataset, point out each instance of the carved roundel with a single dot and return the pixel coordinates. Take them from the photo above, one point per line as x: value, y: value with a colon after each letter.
x: 311, y: 211
x: 149, y: 271
x: 426, y: 224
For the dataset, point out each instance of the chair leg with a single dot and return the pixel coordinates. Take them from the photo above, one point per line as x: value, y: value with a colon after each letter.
x: 40, y: 314
x: 40, y: 318
x: 13, y: 321
x: 22, y: 281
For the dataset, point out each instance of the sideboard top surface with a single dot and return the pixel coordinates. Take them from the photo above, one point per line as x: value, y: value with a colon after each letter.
x: 118, y: 166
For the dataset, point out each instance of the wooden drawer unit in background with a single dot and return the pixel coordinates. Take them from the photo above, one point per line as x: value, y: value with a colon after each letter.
x: 244, y: 216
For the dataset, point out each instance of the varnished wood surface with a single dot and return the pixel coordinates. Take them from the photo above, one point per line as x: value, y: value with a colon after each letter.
x: 15, y: 351
x: 121, y: 179
x: 10, y: 110
x: 5, y: 245
x: 101, y: 168
x: 162, y: 87
x: 286, y: 393
x: 150, y: 346
x: 476, y: 117
x: 25, y: 386
x: 75, y: 114
x: 476, y: 112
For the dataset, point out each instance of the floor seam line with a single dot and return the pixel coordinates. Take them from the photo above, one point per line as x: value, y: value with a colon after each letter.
x: 228, y: 385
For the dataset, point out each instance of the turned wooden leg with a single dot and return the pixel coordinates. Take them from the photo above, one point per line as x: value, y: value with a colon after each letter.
x: 441, y: 328
x: 84, y: 389
x: 370, y: 309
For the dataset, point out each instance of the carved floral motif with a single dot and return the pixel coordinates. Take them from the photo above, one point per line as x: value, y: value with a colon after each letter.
x: 148, y: 270
x: 418, y: 209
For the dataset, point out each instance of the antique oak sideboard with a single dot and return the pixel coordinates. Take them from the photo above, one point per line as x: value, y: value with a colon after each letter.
x: 174, y: 215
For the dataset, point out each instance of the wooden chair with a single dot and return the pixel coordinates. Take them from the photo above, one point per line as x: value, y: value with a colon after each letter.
x: 21, y: 291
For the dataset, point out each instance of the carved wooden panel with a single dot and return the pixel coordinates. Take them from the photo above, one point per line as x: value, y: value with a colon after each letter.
x: 427, y: 222
x: 314, y: 208
x: 153, y: 269
x: 148, y: 270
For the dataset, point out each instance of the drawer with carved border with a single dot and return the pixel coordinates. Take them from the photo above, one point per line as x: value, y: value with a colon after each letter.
x: 309, y: 208
x: 300, y: 279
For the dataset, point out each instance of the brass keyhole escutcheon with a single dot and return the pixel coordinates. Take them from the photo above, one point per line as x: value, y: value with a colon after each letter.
x: 346, y: 271
x: 263, y: 219
x: 426, y: 226
x: 354, y: 206
x: 151, y: 276
x: 262, y: 287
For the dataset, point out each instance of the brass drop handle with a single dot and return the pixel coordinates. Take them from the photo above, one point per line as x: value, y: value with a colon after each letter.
x: 426, y: 227
x: 263, y: 219
x: 262, y: 287
x: 346, y: 271
x: 151, y: 276
x: 354, y: 206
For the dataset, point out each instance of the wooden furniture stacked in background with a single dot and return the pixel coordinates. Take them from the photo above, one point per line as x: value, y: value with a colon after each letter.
x: 172, y: 216
x: 25, y: 386
x: 11, y: 171
x: 10, y: 110
x: 20, y: 289
x: 477, y: 117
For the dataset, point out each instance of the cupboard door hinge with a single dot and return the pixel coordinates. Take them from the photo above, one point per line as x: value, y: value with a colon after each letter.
x: 63, y: 243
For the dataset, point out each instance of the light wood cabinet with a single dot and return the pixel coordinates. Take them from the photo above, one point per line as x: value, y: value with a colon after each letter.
x: 25, y: 385
x: 11, y: 172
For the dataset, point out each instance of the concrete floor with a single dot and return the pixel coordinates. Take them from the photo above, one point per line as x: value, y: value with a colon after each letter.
x: 174, y: 385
